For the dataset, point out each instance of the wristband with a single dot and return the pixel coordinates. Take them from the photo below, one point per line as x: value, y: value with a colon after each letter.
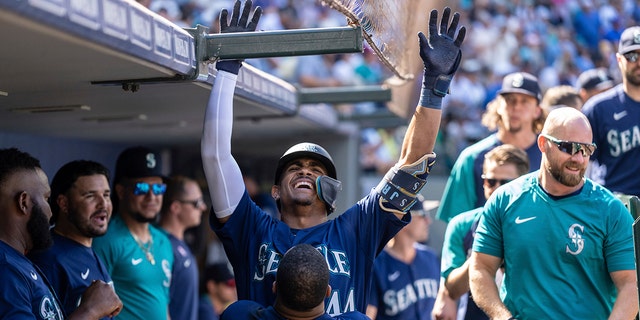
x: 231, y: 66
x: 429, y: 99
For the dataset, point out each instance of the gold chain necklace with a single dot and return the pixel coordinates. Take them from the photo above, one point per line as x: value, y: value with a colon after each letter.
x: 146, y: 248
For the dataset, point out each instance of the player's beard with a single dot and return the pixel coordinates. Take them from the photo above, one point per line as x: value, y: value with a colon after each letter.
x: 142, y: 219
x: 632, y: 76
x: 84, y: 226
x: 38, y: 228
x: 569, y: 180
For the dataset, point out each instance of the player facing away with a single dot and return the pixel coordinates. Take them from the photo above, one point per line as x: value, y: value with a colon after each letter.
x: 306, y: 183
x: 302, y: 283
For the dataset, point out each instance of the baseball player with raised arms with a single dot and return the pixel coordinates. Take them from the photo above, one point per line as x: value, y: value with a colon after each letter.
x: 306, y: 183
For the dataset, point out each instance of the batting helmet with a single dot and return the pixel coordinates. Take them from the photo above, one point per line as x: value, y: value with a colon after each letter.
x: 308, y: 150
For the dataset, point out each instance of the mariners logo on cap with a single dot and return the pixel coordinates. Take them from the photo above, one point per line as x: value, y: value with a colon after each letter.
x: 636, y: 37
x: 518, y: 81
x: 151, y: 160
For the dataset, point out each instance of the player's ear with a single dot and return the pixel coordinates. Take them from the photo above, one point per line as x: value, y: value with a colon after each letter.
x: 328, y: 291
x: 275, y: 192
x: 273, y: 287
x: 22, y: 202
x: 63, y: 203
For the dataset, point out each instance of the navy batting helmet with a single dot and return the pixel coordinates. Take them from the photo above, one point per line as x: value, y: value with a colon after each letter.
x: 308, y: 150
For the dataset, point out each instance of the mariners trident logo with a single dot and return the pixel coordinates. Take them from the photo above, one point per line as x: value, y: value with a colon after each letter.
x: 577, y: 243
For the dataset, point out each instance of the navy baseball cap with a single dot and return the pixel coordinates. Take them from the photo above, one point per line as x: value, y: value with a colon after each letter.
x: 138, y: 162
x: 219, y: 273
x: 521, y: 82
x: 629, y: 40
x: 598, y: 79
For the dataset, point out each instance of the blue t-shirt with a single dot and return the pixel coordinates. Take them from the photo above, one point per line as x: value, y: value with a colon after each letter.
x: 405, y: 291
x: 558, y: 252
x: 70, y: 267
x: 250, y: 310
x: 184, y: 282
x: 24, y: 291
x: 255, y: 243
x: 615, y: 122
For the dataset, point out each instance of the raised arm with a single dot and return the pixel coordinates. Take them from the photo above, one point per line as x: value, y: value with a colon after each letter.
x: 440, y: 54
x: 223, y: 174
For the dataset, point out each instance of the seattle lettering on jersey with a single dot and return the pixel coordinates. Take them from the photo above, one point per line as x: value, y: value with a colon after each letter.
x: 623, y: 141
x: 269, y: 259
x: 397, y: 301
x: 337, y: 262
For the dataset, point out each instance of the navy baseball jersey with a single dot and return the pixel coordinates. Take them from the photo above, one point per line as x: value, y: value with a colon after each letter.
x: 405, y: 291
x: 183, y: 293
x: 255, y: 243
x: 205, y: 308
x: 615, y: 122
x: 248, y: 310
x: 70, y: 267
x: 24, y: 291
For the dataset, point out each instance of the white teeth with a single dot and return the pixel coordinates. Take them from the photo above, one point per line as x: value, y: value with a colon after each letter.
x: 303, y: 183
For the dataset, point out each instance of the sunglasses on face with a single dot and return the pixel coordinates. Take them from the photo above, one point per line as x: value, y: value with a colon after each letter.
x: 571, y: 147
x: 493, y: 182
x: 142, y: 188
x: 198, y: 203
x: 631, y: 56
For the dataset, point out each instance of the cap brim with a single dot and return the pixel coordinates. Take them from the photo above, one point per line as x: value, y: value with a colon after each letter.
x: 514, y: 90
x: 630, y: 48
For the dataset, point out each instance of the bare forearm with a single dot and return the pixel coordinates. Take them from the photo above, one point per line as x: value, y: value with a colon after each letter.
x: 420, y: 138
x: 458, y: 281
x: 482, y: 270
x: 626, y: 305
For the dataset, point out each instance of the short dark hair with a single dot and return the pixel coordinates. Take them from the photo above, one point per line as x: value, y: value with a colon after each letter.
x: 302, y: 278
x: 175, y: 190
x: 67, y: 175
x: 13, y: 160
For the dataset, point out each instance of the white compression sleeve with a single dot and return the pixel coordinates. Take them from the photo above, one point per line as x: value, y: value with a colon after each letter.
x: 224, y: 178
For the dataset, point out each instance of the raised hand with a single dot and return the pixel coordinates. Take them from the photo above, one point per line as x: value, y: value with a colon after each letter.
x: 238, y: 23
x: 441, y: 52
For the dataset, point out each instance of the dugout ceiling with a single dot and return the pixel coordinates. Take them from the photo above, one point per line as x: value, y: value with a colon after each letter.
x: 62, y: 62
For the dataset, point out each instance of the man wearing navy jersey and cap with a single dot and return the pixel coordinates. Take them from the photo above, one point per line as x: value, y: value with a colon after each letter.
x: 306, y: 186
x: 615, y: 120
x: 594, y: 81
x: 138, y: 255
